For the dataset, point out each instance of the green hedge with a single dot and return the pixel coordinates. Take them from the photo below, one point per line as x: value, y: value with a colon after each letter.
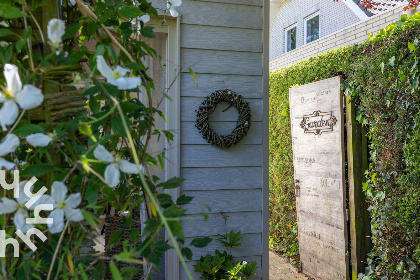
x: 382, y: 77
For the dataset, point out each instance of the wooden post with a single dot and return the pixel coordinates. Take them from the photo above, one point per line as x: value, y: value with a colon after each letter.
x: 49, y: 11
x: 357, y: 156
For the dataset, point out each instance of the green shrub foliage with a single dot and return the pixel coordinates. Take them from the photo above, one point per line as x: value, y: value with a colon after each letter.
x: 382, y: 77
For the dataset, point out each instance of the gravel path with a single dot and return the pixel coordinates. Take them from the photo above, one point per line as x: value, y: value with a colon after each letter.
x: 282, y: 270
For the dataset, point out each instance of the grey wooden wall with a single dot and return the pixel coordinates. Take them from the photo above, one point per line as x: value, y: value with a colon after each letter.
x: 222, y: 41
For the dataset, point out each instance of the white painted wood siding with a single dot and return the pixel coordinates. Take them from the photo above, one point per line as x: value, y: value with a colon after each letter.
x: 222, y: 41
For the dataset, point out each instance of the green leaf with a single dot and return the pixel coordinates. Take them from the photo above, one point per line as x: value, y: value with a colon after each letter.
x: 92, y: 193
x: 90, y: 218
x: 73, y: 58
x: 107, y: 14
x: 412, y: 47
x: 71, y: 30
x: 193, y: 74
x: 201, y: 242
x: 82, y: 272
x: 20, y: 44
x: 176, y: 229
x: 129, y: 107
x: 94, y: 104
x: 92, y: 90
x: 133, y: 234
x: 173, y: 183
x: 6, y: 32
x: 115, y: 272
x: 162, y: 246
x: 130, y: 11
x: 112, y: 53
x: 174, y: 212
x: 117, y: 125
x: 155, y: 257
x: 165, y: 199
x: 91, y: 28
x: 151, y: 227
x: 135, y: 66
x: 116, y: 237
x: 128, y: 272
x: 183, y: 199
x: 284, y: 112
x: 27, y: 33
x: 28, y: 129
x: 249, y: 269
x: 39, y: 169
x: 187, y: 253
x: 147, y: 32
x: 7, y: 11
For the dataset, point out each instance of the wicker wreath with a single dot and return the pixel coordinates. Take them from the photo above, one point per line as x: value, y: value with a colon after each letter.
x: 209, y: 106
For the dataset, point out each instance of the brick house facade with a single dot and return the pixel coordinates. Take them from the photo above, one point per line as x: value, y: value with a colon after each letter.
x: 336, y: 24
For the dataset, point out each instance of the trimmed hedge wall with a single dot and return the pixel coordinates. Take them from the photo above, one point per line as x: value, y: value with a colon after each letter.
x: 382, y: 76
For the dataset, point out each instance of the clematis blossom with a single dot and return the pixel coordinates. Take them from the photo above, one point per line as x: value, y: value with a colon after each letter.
x: 116, y: 77
x: 55, y: 31
x: 112, y: 171
x: 14, y: 96
x: 171, y: 4
x: 62, y: 206
x: 145, y: 18
x: 8, y: 206
x: 39, y: 139
x: 9, y: 145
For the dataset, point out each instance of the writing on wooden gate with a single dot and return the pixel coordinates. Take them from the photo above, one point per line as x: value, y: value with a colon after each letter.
x: 316, y: 112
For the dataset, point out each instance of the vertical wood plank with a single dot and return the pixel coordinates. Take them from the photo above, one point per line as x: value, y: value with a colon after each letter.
x: 357, y: 157
x: 317, y: 124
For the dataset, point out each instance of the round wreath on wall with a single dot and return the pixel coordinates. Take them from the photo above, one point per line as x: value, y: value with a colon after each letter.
x: 209, y: 106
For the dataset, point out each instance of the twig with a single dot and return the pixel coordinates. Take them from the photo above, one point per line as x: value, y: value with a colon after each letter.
x: 16, y: 123
x: 95, y: 173
x: 29, y: 41
x: 35, y: 21
x: 56, y: 249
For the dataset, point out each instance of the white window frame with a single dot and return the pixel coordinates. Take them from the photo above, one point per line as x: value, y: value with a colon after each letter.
x: 305, y: 25
x: 285, y: 36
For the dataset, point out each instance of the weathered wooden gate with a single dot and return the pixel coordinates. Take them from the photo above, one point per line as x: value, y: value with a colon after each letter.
x: 317, y: 121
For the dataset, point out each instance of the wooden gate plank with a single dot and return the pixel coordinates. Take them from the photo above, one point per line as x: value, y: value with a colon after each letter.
x: 317, y: 120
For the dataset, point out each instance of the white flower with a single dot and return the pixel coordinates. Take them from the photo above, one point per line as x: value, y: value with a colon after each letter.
x: 170, y: 5
x: 145, y: 18
x: 4, y: 44
x: 28, y: 97
x: 18, y: 207
x: 39, y: 140
x: 62, y: 206
x: 112, y: 171
x: 9, y: 145
x: 56, y: 29
x: 116, y: 77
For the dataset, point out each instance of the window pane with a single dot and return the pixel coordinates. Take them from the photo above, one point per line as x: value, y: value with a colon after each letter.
x: 312, y: 29
x: 291, y: 39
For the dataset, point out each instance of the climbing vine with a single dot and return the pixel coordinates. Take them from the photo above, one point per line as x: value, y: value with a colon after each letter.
x: 382, y: 77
